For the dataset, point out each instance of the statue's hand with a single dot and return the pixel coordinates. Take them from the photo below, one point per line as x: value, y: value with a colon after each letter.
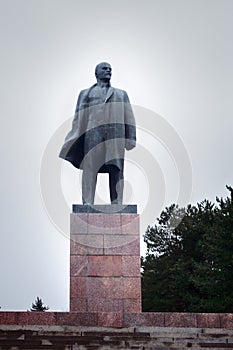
x: 130, y: 144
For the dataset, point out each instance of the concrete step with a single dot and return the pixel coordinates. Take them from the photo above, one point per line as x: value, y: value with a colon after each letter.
x: 134, y: 338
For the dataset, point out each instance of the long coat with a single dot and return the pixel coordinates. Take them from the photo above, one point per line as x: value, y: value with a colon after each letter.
x: 114, y: 115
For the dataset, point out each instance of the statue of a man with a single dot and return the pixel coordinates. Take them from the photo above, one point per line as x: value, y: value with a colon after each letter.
x: 103, y: 127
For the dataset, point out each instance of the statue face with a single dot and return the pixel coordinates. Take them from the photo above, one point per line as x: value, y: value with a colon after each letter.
x: 104, y: 71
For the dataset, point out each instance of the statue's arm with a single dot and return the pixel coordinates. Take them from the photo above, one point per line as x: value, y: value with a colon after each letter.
x: 75, y: 122
x: 130, y: 126
x: 80, y: 102
x: 75, y: 131
x: 79, y: 106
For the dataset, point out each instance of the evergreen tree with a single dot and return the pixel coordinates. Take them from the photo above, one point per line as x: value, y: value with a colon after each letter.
x: 189, y: 267
x: 39, y: 305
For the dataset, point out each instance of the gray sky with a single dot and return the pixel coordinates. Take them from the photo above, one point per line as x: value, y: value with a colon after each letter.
x: 173, y: 57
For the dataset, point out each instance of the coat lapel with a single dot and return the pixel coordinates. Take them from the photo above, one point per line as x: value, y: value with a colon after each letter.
x: 109, y: 93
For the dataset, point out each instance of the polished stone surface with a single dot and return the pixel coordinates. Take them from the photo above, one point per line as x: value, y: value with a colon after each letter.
x: 105, y: 274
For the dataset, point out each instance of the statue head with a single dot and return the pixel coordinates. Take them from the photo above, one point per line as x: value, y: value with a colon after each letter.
x: 103, y: 72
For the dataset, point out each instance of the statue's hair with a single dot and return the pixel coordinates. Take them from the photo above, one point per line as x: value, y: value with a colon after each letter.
x: 98, y: 65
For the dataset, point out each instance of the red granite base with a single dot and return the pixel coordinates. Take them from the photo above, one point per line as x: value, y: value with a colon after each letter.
x: 118, y: 319
x: 105, y: 264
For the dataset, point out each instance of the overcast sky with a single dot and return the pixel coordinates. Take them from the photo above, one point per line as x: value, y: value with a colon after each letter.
x: 174, y: 59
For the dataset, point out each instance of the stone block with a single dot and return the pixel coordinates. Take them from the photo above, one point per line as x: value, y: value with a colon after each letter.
x: 104, y: 305
x: 78, y: 223
x: 78, y: 305
x: 7, y: 317
x: 105, y: 287
x: 132, y: 305
x: 40, y: 318
x: 87, y: 245
x: 96, y: 224
x: 78, y: 265
x: 121, y: 245
x: 226, y: 321
x: 34, y: 318
x: 179, y: 319
x: 145, y: 319
x: 104, y: 266
x: 76, y: 319
x: 131, y: 266
x: 22, y: 318
x: 112, y: 224
x: 78, y: 287
x: 130, y: 224
x: 110, y: 319
x: 155, y: 319
x: 132, y: 287
x: 207, y: 320
x: 101, y: 223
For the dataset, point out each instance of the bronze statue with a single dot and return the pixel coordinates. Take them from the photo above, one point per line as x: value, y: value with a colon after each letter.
x: 103, y: 127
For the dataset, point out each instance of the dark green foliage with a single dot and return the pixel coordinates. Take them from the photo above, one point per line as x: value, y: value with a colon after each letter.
x: 39, y: 305
x: 189, y: 262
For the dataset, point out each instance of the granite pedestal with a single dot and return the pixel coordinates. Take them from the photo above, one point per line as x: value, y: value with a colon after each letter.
x: 105, y: 259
